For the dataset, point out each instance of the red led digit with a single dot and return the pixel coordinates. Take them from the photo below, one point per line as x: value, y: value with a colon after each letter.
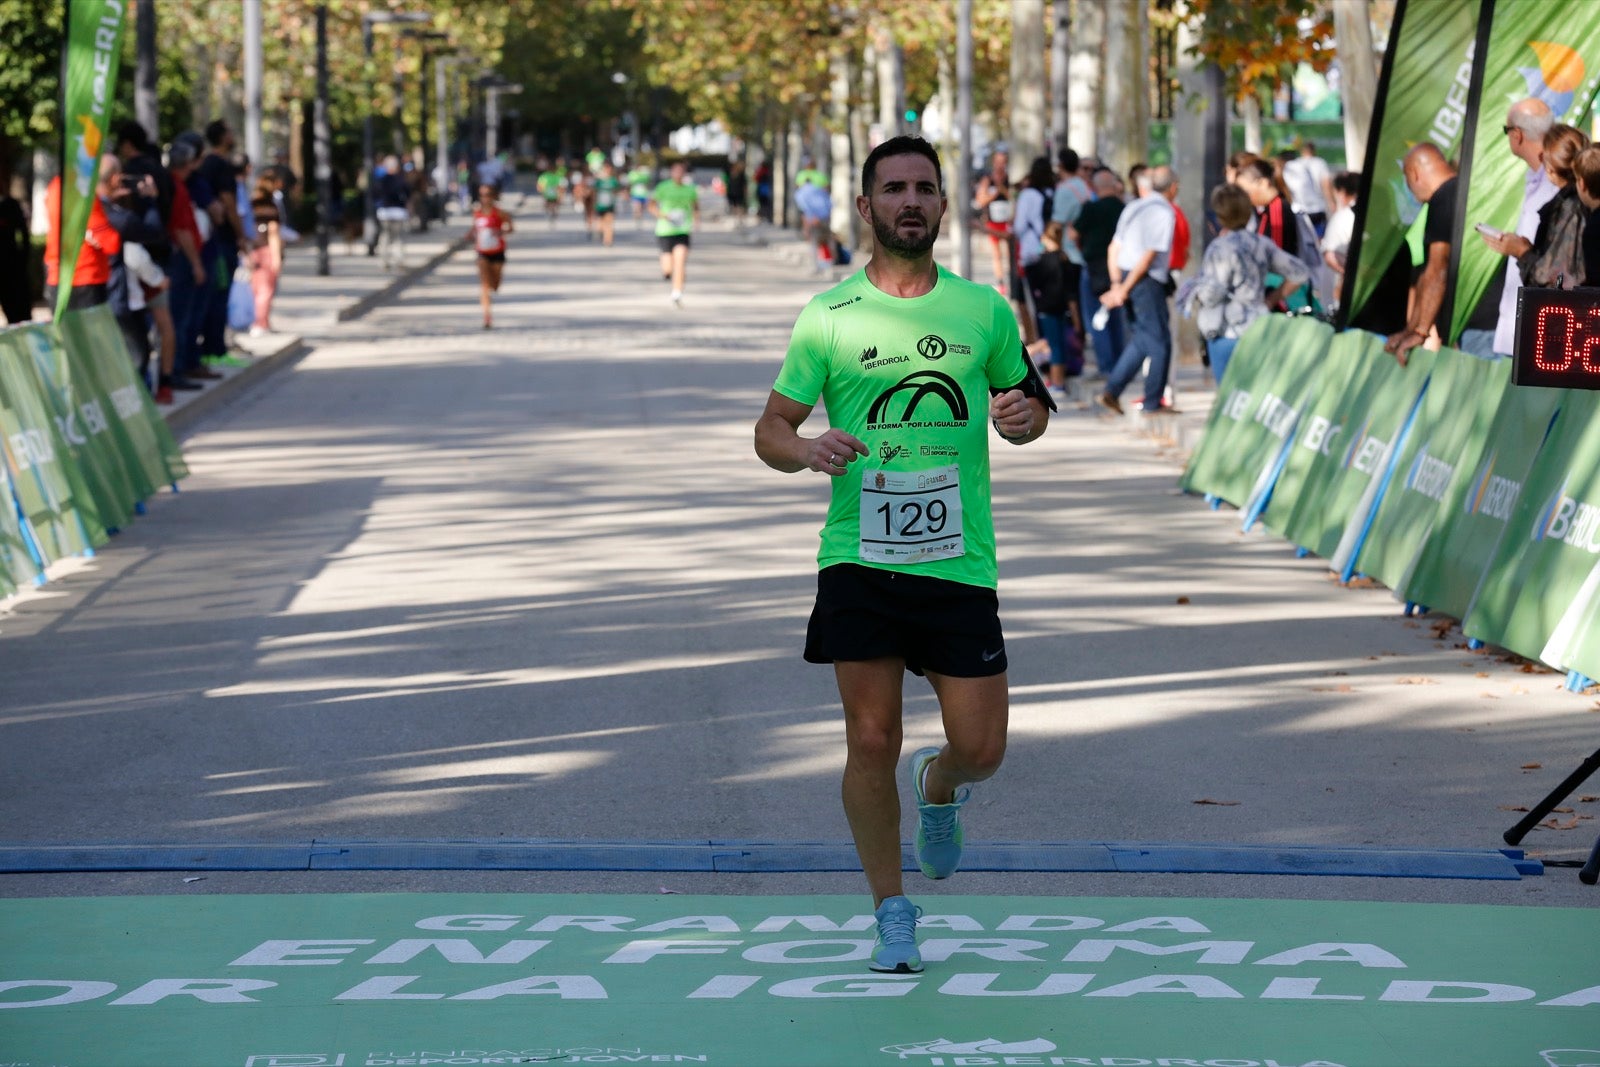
x: 1587, y: 358
x: 1539, y: 334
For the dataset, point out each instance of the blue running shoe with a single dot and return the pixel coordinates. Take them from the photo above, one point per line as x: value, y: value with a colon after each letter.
x: 939, y: 835
x: 896, y: 949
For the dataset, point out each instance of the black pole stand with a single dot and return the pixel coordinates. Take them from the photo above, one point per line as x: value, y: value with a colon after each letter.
x: 1591, y: 870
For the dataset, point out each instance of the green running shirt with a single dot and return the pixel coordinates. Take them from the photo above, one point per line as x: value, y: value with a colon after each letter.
x: 911, y: 379
x: 677, y: 203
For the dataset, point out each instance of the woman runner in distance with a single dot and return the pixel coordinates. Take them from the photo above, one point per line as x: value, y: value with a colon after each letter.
x: 489, y: 228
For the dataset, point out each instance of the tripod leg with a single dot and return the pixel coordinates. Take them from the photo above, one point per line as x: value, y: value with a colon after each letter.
x: 1557, y: 795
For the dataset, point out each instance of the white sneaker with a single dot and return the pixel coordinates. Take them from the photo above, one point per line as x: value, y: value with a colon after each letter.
x: 677, y: 297
x: 257, y: 331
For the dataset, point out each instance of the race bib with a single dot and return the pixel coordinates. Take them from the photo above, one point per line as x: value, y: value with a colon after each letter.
x: 911, y: 516
x: 602, y: 198
x: 677, y: 216
x: 488, y: 239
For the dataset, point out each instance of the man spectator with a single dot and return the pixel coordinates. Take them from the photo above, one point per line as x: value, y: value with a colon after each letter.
x: 91, y: 275
x: 233, y: 241
x: 1310, y: 185
x: 1096, y: 226
x: 1138, y: 262
x: 139, y: 159
x: 208, y: 216
x: 1072, y: 193
x: 127, y: 202
x: 1493, y: 322
x: 1432, y: 180
x: 187, y: 273
x: 16, y: 301
x: 816, y: 215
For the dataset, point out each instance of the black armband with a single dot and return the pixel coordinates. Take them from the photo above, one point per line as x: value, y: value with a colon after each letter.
x: 1032, y: 385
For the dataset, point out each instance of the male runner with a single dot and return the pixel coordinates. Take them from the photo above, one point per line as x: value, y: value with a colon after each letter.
x: 676, y: 205
x: 908, y: 358
x: 639, y: 189
x: 549, y: 186
x: 607, y: 189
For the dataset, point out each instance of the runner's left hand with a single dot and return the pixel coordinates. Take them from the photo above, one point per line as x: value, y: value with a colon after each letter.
x: 1012, y: 414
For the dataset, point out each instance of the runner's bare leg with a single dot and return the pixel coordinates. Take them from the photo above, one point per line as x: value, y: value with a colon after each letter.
x: 871, y: 692
x: 975, y: 713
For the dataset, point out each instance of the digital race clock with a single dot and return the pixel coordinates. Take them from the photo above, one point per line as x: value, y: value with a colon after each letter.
x: 1558, y: 338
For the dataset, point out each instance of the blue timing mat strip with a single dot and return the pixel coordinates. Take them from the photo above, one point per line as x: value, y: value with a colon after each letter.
x: 726, y: 857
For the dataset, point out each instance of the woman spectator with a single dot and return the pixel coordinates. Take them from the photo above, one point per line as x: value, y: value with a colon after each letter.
x: 266, y: 260
x: 1555, y: 256
x: 1263, y: 184
x: 992, y: 198
x: 1034, y: 207
x: 1225, y: 297
x: 1586, y: 171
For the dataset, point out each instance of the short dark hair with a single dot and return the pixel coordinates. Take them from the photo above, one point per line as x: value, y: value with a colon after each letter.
x: 215, y: 132
x: 899, y: 146
x: 1068, y: 159
x: 130, y: 132
x: 1348, y: 182
x: 1231, y: 205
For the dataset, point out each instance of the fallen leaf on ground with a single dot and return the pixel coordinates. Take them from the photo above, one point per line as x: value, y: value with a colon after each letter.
x: 1361, y: 583
x: 1183, y: 600
x: 1489, y: 696
x: 1557, y: 824
x: 1482, y: 674
x: 1519, y: 689
x: 1532, y: 766
x: 1333, y: 689
x: 1442, y: 627
x: 1526, y: 668
x: 1219, y: 803
x: 1588, y: 798
x: 1513, y: 807
x: 1415, y: 681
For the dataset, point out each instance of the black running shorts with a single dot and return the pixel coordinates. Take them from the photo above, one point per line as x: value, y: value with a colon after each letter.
x: 947, y: 627
x: 492, y: 257
x: 667, y: 244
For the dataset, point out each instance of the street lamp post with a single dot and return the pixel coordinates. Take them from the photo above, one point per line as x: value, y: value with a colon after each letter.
x: 441, y: 68
x: 322, y: 146
x: 369, y: 20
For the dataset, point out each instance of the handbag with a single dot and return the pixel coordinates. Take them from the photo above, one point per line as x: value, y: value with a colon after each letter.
x: 241, y: 302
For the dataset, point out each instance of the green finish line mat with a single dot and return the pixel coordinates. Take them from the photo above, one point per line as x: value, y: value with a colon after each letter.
x: 411, y: 979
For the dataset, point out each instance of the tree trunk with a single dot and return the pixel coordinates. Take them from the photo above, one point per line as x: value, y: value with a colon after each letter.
x: 1250, y: 111
x: 1084, y: 72
x: 1028, y: 113
x: 1125, y: 127
x: 1358, y: 76
x: 1219, y: 127
x: 146, y: 104
x: 961, y: 200
x: 1189, y: 162
x: 891, y: 79
x: 842, y: 112
x: 1060, y: 72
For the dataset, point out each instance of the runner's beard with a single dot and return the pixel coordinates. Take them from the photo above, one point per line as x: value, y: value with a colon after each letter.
x: 889, y: 238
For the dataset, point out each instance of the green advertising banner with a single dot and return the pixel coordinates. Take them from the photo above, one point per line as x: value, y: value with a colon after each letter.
x: 1343, y: 440
x: 95, y: 345
x: 16, y: 562
x: 94, y: 48
x: 1436, y: 461
x: 1423, y: 97
x: 298, y: 980
x: 1551, y: 544
x: 1549, y: 49
x: 1270, y: 379
x: 55, y: 501
x: 81, y: 418
x: 1457, y: 552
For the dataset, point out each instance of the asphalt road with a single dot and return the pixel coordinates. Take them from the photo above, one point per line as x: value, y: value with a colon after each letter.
x: 437, y: 583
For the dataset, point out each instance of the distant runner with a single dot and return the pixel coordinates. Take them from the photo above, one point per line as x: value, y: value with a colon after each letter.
x: 639, y: 189
x: 489, y: 228
x: 607, y: 190
x: 912, y: 363
x: 549, y: 187
x: 676, y: 205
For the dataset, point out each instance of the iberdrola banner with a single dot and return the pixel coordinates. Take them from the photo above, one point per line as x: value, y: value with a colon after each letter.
x: 1422, y: 97
x: 94, y: 45
x: 1549, y: 50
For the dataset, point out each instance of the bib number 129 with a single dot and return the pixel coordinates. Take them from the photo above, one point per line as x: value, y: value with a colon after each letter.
x: 911, y: 516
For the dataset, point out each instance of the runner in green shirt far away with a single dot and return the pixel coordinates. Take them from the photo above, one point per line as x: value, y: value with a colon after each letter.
x: 607, y: 191
x: 676, y: 205
x: 549, y: 185
x: 640, y: 179
x: 912, y: 362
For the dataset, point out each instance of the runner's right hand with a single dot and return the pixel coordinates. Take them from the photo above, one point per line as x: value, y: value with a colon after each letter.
x: 832, y: 452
